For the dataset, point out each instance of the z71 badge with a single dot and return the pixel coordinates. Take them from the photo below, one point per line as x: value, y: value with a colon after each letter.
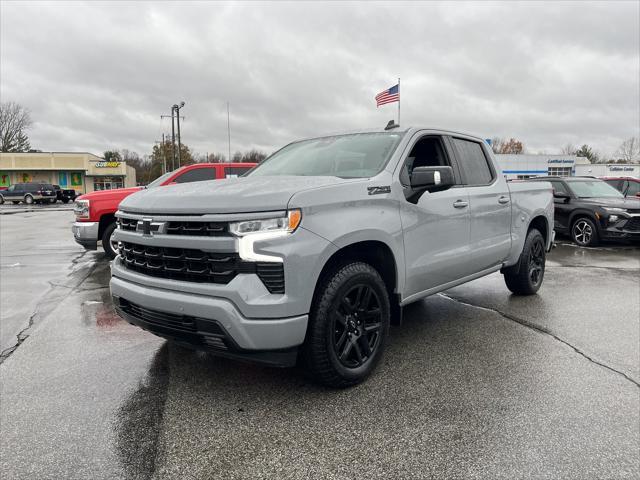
x: 379, y: 190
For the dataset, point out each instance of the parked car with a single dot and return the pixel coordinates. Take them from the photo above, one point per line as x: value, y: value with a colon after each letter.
x: 317, y: 248
x: 65, y: 195
x: 590, y: 210
x: 28, y: 193
x: 629, y: 186
x: 95, y: 211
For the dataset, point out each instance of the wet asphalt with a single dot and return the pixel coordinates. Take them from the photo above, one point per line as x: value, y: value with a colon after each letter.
x: 476, y: 383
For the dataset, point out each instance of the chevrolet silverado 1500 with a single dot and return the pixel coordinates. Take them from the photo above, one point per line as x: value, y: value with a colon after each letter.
x: 313, y: 253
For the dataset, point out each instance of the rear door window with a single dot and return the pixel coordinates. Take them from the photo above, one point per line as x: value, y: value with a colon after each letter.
x: 197, y: 175
x: 473, y: 162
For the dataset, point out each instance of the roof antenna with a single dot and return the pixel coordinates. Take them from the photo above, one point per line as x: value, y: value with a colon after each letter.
x: 391, y: 125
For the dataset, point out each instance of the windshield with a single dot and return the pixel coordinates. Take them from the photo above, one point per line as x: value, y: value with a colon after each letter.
x: 159, y: 180
x: 346, y: 156
x: 593, y: 188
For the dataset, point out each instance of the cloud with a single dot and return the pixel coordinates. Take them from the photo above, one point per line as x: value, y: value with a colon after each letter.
x: 98, y: 76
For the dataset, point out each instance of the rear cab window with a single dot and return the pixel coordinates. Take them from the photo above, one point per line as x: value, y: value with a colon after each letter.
x: 234, y: 172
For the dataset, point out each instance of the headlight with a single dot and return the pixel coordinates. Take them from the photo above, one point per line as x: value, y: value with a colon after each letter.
x: 614, y: 210
x: 252, y: 231
x: 286, y: 224
x: 81, y: 208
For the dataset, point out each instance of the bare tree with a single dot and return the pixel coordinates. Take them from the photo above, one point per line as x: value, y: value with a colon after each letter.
x: 216, y: 158
x: 14, y: 123
x: 513, y: 146
x: 496, y: 144
x: 629, y: 151
x: 569, y: 149
x: 254, y: 156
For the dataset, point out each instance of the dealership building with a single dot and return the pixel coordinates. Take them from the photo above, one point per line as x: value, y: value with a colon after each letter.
x: 84, y: 172
x: 527, y: 166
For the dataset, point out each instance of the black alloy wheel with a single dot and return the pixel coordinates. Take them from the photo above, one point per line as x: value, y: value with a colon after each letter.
x: 348, y: 325
x: 536, y: 261
x: 357, y: 323
x: 526, y: 276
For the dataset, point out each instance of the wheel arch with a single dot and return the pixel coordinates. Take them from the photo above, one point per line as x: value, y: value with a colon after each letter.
x: 376, y: 253
x: 541, y: 223
x: 582, y: 213
x: 105, y: 220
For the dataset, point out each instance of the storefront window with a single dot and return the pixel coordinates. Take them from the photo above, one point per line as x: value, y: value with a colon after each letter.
x: 107, y: 183
x: 560, y: 171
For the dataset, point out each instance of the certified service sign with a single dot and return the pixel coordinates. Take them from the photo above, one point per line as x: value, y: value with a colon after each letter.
x: 107, y: 164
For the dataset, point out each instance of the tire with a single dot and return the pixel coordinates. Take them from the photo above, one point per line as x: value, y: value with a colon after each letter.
x: 15, y: 202
x: 28, y: 199
x: 584, y: 232
x: 107, y: 245
x: 1, y: 200
x: 525, y: 278
x: 348, y: 326
x: 65, y: 200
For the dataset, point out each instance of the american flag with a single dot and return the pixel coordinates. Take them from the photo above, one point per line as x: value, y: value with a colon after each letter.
x: 389, y: 95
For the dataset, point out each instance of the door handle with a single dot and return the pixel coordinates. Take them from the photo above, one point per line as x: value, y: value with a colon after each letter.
x: 460, y: 204
x: 503, y: 200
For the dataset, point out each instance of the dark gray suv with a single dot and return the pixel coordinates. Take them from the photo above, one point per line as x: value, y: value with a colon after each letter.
x: 29, y: 193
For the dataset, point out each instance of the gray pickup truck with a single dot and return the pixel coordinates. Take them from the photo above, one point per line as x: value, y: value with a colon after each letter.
x: 312, y: 254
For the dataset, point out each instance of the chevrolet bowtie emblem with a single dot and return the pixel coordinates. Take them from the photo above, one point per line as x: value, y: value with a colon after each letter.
x: 144, y: 225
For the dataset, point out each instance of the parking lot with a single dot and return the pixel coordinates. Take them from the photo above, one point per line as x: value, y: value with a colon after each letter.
x: 476, y: 383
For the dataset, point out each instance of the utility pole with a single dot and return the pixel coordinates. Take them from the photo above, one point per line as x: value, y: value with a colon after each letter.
x: 177, y: 108
x: 164, y: 157
x: 173, y: 139
x: 229, y: 132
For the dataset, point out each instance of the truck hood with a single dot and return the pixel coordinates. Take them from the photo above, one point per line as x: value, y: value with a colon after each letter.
x: 109, y: 194
x: 233, y: 195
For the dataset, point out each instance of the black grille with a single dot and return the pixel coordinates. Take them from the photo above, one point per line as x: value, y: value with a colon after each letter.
x: 200, y: 229
x: 128, y: 224
x: 160, y: 319
x: 272, y: 275
x: 196, y: 229
x: 633, y: 224
x: 198, y: 266
x: 169, y: 324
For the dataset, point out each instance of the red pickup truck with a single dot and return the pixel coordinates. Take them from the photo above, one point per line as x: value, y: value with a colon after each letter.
x: 95, y: 211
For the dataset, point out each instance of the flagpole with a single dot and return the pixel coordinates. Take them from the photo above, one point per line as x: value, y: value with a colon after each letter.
x: 398, y: 100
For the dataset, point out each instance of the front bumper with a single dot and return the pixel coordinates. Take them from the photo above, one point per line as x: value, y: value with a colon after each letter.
x: 626, y: 228
x: 86, y: 234
x: 209, y: 323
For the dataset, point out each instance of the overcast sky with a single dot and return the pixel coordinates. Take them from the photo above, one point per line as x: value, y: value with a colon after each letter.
x: 98, y: 76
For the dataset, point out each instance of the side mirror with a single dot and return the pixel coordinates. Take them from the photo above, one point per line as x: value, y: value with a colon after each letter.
x: 432, y: 178
x: 561, y: 196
